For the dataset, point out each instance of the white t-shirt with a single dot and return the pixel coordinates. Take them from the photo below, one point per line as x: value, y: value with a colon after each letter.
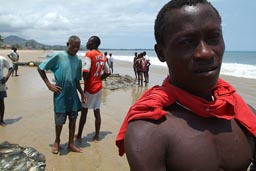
x: 14, y: 56
x: 3, y: 64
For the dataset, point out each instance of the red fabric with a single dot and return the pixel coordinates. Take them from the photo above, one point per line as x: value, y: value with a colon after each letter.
x: 94, y: 84
x: 227, y: 104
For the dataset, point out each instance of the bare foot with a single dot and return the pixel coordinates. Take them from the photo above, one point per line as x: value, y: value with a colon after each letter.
x: 74, y: 149
x: 76, y: 137
x: 96, y: 138
x: 55, y: 148
x: 3, y: 124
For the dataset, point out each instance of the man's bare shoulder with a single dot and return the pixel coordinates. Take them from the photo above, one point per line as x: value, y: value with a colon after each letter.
x: 161, y: 128
x: 145, y: 145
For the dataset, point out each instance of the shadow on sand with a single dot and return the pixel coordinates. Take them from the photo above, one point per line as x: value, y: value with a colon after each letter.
x: 12, y: 121
x: 82, y: 143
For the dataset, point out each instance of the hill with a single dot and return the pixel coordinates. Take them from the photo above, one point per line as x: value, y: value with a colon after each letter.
x: 22, y: 43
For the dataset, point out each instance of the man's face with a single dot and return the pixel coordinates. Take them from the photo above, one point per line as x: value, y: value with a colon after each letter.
x: 193, y: 47
x: 90, y: 44
x: 73, y: 47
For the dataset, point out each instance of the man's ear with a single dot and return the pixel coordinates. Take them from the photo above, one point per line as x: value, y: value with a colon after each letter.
x: 159, y: 52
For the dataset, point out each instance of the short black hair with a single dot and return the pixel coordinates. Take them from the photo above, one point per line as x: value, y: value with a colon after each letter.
x: 73, y: 38
x: 97, y: 40
x: 160, y: 23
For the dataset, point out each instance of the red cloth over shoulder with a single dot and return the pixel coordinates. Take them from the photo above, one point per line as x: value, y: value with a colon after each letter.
x: 227, y: 104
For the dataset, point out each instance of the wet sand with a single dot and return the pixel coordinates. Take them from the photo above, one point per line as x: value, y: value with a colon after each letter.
x: 30, y: 123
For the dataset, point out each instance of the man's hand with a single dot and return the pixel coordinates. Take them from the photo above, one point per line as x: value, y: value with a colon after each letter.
x: 83, y: 98
x: 54, y: 88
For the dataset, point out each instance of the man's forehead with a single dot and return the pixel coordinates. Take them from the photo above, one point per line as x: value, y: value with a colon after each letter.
x: 74, y: 41
x: 190, y: 12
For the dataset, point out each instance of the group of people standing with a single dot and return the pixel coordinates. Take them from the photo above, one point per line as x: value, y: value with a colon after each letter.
x: 68, y: 69
x: 141, y: 68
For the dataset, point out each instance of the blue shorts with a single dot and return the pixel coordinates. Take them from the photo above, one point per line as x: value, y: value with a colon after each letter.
x: 60, y: 118
x: 3, y: 94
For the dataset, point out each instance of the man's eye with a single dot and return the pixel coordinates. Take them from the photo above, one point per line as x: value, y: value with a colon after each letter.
x: 214, y: 38
x: 186, y: 42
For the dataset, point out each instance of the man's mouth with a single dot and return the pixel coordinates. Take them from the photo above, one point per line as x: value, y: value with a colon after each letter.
x: 205, y: 70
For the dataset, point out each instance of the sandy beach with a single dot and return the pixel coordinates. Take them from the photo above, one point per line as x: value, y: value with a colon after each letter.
x: 30, y: 123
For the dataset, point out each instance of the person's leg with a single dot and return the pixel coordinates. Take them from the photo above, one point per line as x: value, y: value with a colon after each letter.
x: 13, y: 71
x: 60, y: 119
x: 135, y: 73
x: 146, y: 76
x: 97, y: 124
x: 72, y: 127
x: 16, y: 69
x: 82, y: 122
x: 2, y: 108
x: 141, y: 78
x: 56, y: 144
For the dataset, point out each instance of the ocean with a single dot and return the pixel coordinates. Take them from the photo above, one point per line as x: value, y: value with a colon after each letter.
x: 235, y: 63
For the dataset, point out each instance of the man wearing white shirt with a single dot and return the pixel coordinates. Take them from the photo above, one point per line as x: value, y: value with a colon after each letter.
x: 3, y: 79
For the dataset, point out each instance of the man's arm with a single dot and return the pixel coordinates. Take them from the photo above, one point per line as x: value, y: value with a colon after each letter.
x: 18, y: 57
x: 107, y: 72
x: 85, y: 76
x: 104, y: 76
x: 10, y: 56
x: 144, y: 146
x: 52, y: 87
x: 79, y: 88
x: 253, y: 167
x: 5, y: 79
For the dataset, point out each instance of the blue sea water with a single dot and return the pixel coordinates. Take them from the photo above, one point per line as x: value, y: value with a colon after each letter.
x: 235, y: 63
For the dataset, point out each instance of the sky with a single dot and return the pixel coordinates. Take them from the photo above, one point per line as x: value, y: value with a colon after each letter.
x: 121, y: 24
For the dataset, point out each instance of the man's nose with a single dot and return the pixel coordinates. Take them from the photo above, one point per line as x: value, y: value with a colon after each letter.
x: 203, y: 51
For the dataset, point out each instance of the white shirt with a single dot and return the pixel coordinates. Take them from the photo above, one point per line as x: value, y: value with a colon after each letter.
x: 3, y: 64
x: 14, y: 56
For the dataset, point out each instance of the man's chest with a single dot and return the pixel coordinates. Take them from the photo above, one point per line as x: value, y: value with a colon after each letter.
x: 210, y: 144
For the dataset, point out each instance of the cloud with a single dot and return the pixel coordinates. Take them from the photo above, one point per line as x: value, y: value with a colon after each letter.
x: 120, y: 24
x: 51, y: 22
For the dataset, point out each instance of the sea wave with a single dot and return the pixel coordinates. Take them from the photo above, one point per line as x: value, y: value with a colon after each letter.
x: 239, y: 70
x: 231, y: 69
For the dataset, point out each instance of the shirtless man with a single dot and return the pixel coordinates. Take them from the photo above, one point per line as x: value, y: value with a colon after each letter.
x: 195, y: 120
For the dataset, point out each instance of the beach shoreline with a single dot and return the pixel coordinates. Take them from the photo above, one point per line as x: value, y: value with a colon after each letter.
x: 29, y: 116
